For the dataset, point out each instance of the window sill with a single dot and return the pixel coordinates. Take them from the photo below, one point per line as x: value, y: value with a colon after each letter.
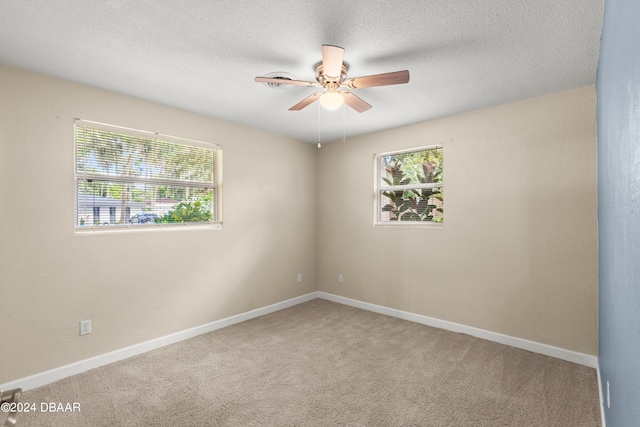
x: 409, y: 224
x: 128, y: 229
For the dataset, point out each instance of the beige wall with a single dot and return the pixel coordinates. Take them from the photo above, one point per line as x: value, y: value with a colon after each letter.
x: 138, y: 286
x: 517, y: 253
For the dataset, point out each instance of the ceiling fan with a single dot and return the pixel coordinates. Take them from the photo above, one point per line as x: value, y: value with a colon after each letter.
x: 331, y: 75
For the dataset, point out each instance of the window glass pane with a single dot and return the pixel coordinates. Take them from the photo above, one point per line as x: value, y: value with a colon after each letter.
x: 140, y: 204
x: 412, y: 205
x: 410, y: 188
x: 116, y: 154
x: 418, y: 167
x: 131, y: 177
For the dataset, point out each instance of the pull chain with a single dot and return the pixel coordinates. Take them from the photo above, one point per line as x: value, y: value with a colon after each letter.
x: 319, y: 145
x: 344, y: 109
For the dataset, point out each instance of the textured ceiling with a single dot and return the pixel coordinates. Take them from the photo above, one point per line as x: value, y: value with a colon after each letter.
x: 202, y: 56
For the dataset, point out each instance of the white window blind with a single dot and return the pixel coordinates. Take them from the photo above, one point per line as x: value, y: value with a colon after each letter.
x: 127, y: 177
x: 409, y: 186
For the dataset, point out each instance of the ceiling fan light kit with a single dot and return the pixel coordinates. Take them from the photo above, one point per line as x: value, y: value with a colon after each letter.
x: 331, y: 75
x: 331, y: 99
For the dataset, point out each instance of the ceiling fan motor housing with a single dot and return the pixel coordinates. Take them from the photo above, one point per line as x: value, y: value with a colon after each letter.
x: 323, y: 78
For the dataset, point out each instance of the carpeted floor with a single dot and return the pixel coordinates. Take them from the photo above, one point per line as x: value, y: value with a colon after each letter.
x: 326, y: 364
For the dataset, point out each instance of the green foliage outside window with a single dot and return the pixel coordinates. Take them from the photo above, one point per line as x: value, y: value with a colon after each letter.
x: 194, y: 210
x: 423, y: 203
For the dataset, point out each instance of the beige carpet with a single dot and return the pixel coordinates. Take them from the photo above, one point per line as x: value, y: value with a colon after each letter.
x: 326, y: 364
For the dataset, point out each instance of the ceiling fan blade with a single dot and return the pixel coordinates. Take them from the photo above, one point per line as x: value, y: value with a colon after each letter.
x: 308, y: 100
x: 355, y: 101
x: 284, y: 81
x: 332, y: 57
x: 385, y: 79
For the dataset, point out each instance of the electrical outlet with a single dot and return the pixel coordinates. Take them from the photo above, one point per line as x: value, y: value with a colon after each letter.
x: 299, y: 277
x: 340, y: 278
x: 85, y: 327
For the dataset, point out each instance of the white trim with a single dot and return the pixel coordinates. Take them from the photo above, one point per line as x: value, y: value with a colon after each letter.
x: 410, y: 150
x: 535, y: 347
x: 408, y: 186
x: 95, y: 230
x: 601, y: 396
x: 44, y: 378
x: 409, y: 224
x: 144, y: 133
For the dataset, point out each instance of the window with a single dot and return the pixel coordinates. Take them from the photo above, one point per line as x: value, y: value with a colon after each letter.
x: 409, y: 186
x: 144, y: 179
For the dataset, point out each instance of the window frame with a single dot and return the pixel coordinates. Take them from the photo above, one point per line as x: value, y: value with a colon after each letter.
x: 215, y: 185
x: 379, y: 186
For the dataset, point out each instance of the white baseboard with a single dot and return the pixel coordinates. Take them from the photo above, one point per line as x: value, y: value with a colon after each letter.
x: 601, y: 396
x: 535, y: 347
x: 44, y: 378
